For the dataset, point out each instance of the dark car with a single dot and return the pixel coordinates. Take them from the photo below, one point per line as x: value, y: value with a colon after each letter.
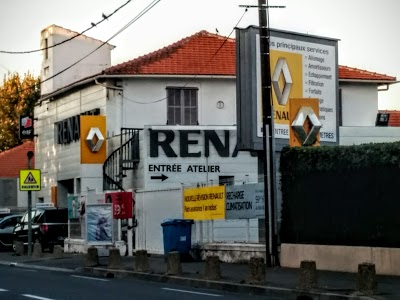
x: 49, y: 227
x: 7, y: 225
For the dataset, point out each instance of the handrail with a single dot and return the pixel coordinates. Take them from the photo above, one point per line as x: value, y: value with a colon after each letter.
x: 127, y: 153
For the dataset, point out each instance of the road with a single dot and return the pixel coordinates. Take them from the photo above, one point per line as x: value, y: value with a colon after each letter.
x: 21, y: 283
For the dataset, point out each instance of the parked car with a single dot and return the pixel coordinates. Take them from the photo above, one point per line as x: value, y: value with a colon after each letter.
x: 7, y: 225
x: 49, y: 227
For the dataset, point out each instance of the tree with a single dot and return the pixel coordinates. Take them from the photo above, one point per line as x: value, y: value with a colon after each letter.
x: 18, y: 96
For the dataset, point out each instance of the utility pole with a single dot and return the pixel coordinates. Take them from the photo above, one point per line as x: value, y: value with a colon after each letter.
x: 271, y: 253
x: 29, y: 155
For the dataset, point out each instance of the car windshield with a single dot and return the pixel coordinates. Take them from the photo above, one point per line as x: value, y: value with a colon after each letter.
x: 35, y: 214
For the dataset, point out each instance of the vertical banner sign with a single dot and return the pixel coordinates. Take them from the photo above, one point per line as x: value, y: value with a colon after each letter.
x: 207, y: 203
x: 245, y: 201
x: 122, y: 204
x: 305, y: 125
x: 73, y: 207
x: 93, y: 139
x: 99, y: 222
x: 26, y: 127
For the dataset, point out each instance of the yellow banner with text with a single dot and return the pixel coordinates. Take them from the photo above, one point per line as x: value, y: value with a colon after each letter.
x: 206, y: 203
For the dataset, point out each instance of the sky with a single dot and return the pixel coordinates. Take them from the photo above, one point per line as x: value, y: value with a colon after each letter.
x: 367, y: 30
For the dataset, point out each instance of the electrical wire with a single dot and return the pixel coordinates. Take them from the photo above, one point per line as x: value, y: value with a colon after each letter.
x: 141, y: 14
x: 195, y: 76
x: 71, y: 38
x: 137, y: 17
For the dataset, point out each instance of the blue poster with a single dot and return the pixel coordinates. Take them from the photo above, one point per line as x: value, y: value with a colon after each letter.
x: 99, y: 223
x: 73, y: 207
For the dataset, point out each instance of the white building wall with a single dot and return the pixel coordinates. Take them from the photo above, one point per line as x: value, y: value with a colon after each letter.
x: 61, y: 162
x: 365, y: 135
x: 69, y: 53
x: 359, y: 104
x: 145, y: 103
x: 153, y: 207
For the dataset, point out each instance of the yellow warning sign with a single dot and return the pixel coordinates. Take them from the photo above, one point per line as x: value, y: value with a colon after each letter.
x: 29, y: 180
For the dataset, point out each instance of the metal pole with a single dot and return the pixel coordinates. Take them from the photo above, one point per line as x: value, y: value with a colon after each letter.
x: 30, y: 155
x: 267, y: 119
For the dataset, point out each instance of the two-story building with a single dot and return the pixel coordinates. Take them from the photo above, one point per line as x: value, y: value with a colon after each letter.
x: 161, y: 121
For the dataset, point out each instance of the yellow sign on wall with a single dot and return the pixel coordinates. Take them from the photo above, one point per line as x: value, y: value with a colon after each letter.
x: 93, y: 139
x: 206, y: 203
x: 286, y: 81
x: 29, y: 180
x: 304, y: 122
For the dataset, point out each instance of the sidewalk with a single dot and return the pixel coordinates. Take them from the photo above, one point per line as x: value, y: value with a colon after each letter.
x: 280, y: 282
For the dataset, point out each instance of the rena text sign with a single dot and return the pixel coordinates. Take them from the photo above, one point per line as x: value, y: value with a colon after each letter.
x: 245, y: 201
x: 194, y: 156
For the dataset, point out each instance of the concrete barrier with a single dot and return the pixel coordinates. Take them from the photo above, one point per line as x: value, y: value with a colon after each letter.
x: 92, y: 257
x: 257, y: 270
x: 37, y: 250
x: 141, y: 261
x: 366, y: 279
x: 213, y: 268
x: 19, y: 248
x: 308, y: 275
x: 58, y: 251
x: 114, y: 258
x: 174, y: 266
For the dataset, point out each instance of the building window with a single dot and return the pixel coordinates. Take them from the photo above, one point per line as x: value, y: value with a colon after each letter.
x: 46, y: 71
x: 226, y: 180
x: 46, y: 48
x: 182, y: 106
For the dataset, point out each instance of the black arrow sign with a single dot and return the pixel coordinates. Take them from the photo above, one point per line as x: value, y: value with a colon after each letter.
x: 162, y: 177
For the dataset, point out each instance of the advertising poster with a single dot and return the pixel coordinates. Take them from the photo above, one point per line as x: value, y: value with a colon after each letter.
x: 122, y: 204
x: 245, y: 201
x: 99, y: 223
x: 73, y: 207
x: 206, y: 203
x: 300, y: 69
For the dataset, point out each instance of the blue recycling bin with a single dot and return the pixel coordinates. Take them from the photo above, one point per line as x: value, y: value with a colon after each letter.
x: 177, y: 235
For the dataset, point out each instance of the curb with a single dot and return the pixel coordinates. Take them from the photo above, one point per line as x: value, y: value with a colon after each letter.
x: 223, y: 286
x: 35, y: 267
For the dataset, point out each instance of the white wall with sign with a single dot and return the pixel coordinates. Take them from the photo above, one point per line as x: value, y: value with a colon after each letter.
x: 154, y: 206
x: 62, y: 161
x: 172, y: 156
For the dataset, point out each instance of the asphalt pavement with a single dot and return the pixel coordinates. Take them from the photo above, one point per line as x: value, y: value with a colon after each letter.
x: 279, y: 282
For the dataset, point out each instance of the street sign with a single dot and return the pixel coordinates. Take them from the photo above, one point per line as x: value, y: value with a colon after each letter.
x: 26, y: 127
x: 122, y: 204
x: 29, y: 180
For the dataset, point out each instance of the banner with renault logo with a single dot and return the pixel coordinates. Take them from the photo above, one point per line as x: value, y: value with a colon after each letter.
x: 93, y: 139
x: 304, y: 122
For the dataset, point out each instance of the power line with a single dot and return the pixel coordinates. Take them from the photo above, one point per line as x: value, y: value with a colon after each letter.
x: 105, y: 17
x: 141, y: 14
x: 195, y: 76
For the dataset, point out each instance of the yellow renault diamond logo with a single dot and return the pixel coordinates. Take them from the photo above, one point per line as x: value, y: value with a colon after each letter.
x: 29, y: 180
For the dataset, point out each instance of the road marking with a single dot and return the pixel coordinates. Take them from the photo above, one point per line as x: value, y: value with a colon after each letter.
x: 36, y: 297
x: 3, y: 290
x: 191, y: 292
x: 91, y: 278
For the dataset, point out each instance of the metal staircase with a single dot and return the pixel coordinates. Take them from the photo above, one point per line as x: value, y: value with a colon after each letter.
x: 126, y: 157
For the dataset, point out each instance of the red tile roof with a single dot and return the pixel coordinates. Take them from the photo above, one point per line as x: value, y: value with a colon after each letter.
x: 394, y: 117
x: 353, y: 73
x: 15, y: 159
x: 200, y: 54
x: 205, y: 53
